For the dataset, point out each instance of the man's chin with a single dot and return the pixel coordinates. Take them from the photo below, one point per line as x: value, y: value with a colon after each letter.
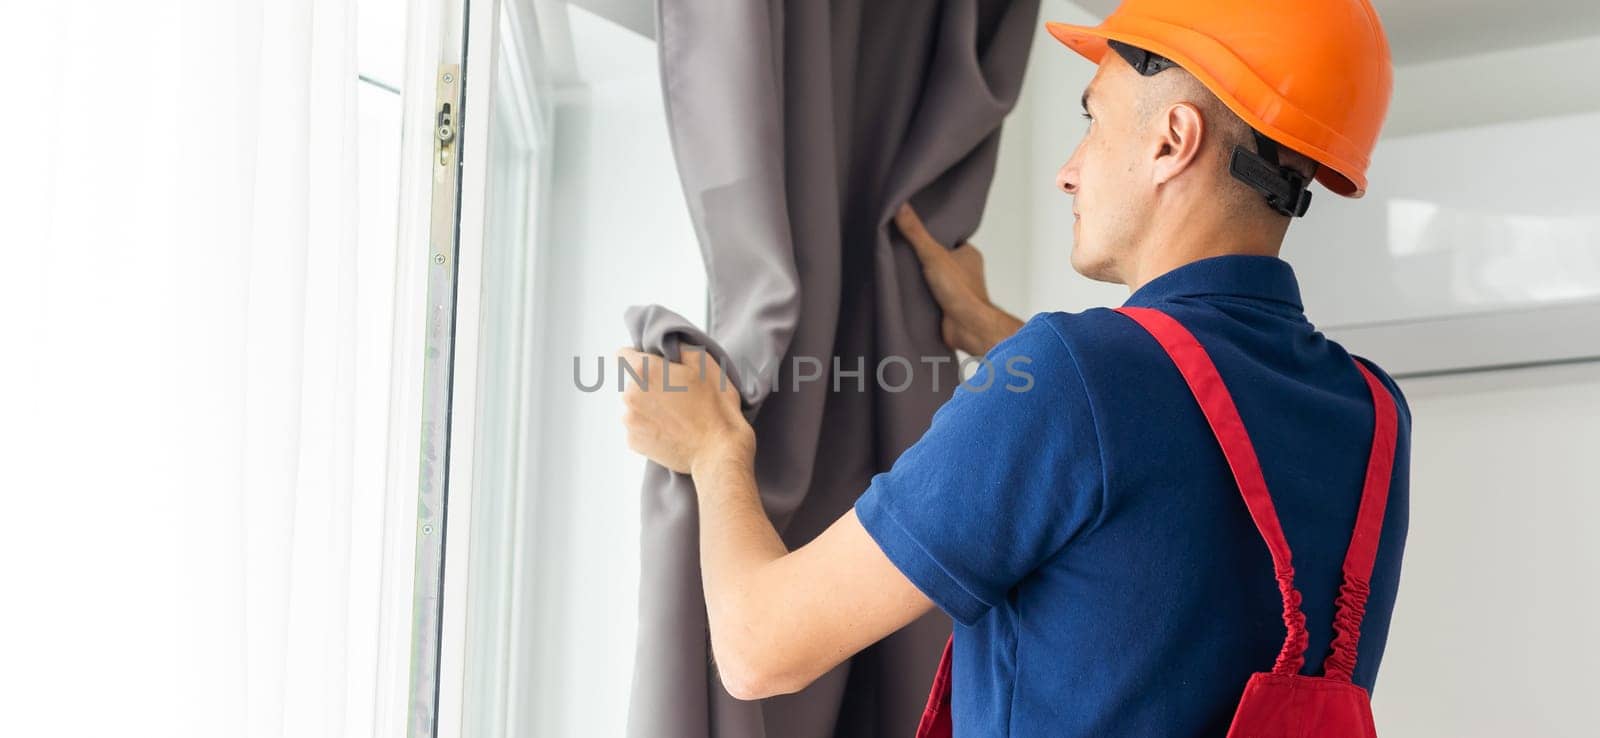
x: 1090, y: 266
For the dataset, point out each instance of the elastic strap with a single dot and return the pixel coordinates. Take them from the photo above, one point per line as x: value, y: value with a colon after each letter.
x: 1351, y: 606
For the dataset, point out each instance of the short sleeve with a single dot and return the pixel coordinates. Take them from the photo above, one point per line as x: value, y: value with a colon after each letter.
x: 1007, y: 473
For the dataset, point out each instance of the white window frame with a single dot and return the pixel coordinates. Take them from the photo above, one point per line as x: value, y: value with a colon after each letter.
x: 489, y: 44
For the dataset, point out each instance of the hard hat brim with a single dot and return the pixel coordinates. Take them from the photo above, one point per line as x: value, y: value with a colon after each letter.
x: 1342, y: 170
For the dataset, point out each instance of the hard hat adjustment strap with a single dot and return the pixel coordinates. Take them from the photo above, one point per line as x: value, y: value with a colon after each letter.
x: 1143, y: 62
x: 1285, y: 188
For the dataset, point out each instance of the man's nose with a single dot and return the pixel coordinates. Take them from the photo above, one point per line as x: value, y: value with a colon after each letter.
x: 1067, y: 179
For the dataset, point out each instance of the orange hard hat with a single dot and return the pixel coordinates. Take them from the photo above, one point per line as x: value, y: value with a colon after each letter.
x: 1311, y: 75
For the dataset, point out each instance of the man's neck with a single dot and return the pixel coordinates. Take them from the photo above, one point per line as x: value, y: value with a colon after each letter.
x: 1172, y: 243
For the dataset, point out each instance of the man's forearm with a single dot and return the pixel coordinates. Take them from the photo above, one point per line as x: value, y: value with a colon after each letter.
x: 737, y: 542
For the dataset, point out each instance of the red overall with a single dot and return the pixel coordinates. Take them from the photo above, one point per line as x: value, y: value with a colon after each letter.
x: 1280, y: 703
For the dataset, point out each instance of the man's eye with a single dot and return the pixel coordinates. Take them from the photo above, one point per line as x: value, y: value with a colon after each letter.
x: 1087, y: 116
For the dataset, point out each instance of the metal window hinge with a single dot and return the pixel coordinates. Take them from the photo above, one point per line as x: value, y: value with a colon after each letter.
x: 447, y: 106
x: 439, y: 350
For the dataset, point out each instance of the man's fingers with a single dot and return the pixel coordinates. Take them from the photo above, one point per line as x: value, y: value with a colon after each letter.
x: 646, y: 366
x: 635, y: 358
x: 687, y: 368
x: 927, y: 247
x: 968, y: 258
x: 697, y: 359
x: 689, y: 355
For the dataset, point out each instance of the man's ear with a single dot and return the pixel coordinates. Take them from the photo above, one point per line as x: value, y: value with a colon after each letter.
x: 1178, y: 138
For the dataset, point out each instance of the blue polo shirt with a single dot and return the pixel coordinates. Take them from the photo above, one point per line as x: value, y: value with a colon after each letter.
x: 1071, y: 510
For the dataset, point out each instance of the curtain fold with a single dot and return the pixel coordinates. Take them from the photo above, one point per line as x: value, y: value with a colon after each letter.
x: 798, y: 128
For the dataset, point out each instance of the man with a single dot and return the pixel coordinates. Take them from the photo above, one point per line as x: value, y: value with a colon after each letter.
x: 1087, y: 535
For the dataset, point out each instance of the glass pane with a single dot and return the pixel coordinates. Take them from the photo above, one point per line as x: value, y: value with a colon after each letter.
x: 503, y: 451
x: 585, y: 216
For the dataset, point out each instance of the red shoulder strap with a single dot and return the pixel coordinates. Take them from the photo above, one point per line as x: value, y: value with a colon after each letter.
x: 1223, y: 416
x: 1352, y: 603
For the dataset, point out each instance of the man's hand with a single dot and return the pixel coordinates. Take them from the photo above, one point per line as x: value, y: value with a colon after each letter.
x: 971, y: 322
x: 691, y: 419
x: 778, y: 619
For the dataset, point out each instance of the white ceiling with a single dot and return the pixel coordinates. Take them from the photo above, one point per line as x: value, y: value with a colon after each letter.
x: 1425, y: 30
x: 638, y: 16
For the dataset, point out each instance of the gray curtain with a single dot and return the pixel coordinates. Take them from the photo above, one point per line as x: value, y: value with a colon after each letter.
x: 798, y: 128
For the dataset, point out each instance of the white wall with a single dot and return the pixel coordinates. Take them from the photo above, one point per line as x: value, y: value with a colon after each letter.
x: 619, y: 234
x: 1492, y: 634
